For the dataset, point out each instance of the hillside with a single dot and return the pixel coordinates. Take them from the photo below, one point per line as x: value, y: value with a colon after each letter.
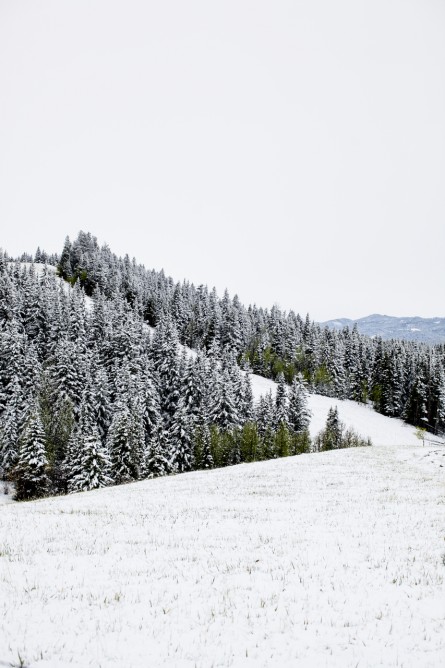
x: 329, y: 560
x: 97, y: 387
x: 424, y: 330
x: 381, y: 429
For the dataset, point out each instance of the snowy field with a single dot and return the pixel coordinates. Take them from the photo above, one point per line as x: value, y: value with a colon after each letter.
x: 332, y: 559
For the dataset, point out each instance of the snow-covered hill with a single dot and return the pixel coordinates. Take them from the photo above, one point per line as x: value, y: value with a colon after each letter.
x: 41, y: 269
x: 381, y: 429
x: 363, y: 419
x: 324, y: 560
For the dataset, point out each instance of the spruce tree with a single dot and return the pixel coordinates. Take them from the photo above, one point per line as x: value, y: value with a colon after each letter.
x: 299, y: 415
x: 180, y: 441
x: 156, y: 461
x: 281, y: 402
x: 333, y: 431
x: 94, y: 464
x: 30, y: 473
x: 123, y: 466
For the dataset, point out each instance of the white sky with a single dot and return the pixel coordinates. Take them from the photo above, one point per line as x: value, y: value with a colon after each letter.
x: 293, y: 152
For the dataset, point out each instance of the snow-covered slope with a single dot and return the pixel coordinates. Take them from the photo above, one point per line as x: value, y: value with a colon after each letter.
x: 381, y: 429
x: 323, y: 560
x: 362, y: 418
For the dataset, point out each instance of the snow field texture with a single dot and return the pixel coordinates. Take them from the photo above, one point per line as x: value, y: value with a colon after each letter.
x: 328, y: 559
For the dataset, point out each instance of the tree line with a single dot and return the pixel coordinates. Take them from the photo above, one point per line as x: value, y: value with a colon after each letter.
x: 402, y: 379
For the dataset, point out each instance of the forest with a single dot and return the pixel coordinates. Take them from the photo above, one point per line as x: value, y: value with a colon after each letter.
x: 98, y: 384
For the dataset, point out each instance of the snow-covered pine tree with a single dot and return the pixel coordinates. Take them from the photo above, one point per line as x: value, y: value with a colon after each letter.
x: 299, y: 415
x: 94, y: 465
x: 180, y: 440
x: 333, y: 431
x: 125, y: 464
x: 166, y: 364
x: 156, y: 456
x: 11, y: 422
x: 30, y: 472
x: 281, y: 402
x: 102, y: 401
x: 224, y: 413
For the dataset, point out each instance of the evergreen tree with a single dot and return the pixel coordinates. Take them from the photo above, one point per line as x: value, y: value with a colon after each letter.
x: 180, y: 441
x: 281, y: 402
x: 10, y: 427
x: 30, y: 473
x: 332, y: 434
x: 224, y: 412
x: 299, y: 415
x: 124, y: 468
x: 250, y: 443
x: 157, y: 461
x: 94, y: 466
x: 282, y: 440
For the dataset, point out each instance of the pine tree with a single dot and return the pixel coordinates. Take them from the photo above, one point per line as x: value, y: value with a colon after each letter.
x: 10, y: 426
x: 299, y: 415
x: 332, y: 435
x: 282, y: 440
x: 123, y: 466
x: 249, y: 443
x: 207, y: 458
x: 103, y: 403
x: 180, y: 441
x: 224, y: 412
x: 94, y: 462
x: 65, y: 267
x: 281, y: 402
x: 30, y: 473
x: 157, y: 461
x: 166, y: 365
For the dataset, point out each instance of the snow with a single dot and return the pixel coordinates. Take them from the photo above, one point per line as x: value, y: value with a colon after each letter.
x: 327, y: 560
x: 6, y: 492
x: 362, y: 418
x: 40, y: 270
x: 332, y: 560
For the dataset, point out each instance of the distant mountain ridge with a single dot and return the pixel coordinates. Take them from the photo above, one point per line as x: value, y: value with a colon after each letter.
x: 424, y: 330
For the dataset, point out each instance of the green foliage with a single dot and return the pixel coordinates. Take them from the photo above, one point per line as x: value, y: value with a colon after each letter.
x: 282, y: 441
x: 250, y: 443
x: 322, y: 377
x: 334, y: 436
x: 300, y: 443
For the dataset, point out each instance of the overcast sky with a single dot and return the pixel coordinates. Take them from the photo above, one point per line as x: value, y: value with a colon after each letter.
x: 291, y: 151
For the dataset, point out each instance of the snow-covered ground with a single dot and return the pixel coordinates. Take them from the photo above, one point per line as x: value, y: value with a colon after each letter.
x: 363, y: 419
x: 6, y: 493
x: 324, y: 560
